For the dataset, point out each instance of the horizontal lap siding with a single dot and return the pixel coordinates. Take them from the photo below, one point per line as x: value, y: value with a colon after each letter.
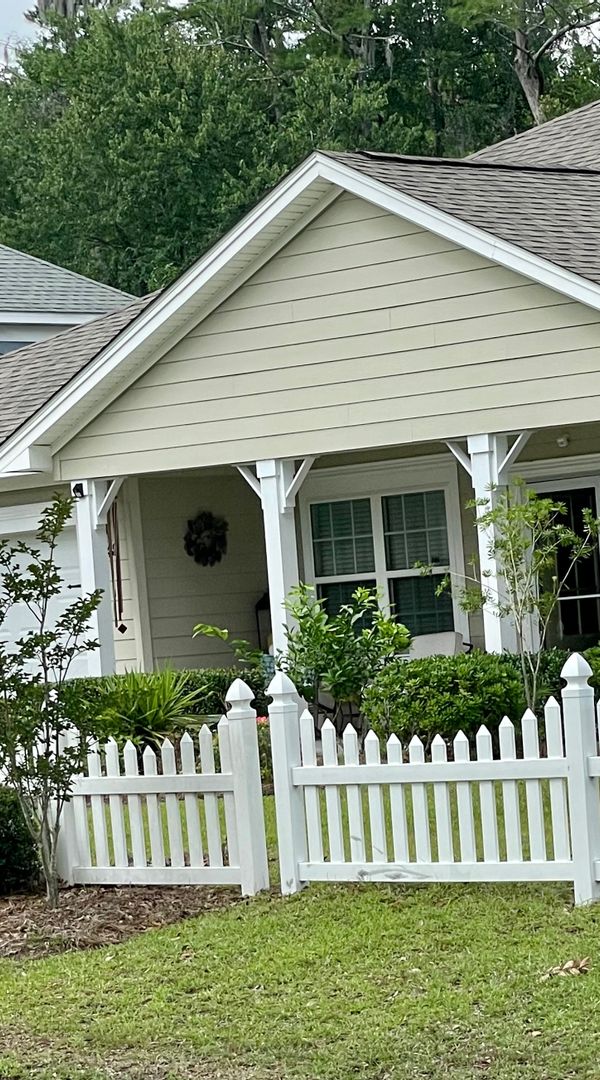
x: 364, y: 331
x: 181, y: 593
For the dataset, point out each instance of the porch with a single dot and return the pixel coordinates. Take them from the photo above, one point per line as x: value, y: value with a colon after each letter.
x: 368, y: 517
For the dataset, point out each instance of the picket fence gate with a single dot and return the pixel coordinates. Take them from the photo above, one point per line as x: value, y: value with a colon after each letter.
x: 113, y: 829
x: 519, y: 816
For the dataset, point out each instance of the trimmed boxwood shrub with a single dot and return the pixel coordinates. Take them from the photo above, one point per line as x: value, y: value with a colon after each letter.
x: 443, y: 694
x: 19, y: 867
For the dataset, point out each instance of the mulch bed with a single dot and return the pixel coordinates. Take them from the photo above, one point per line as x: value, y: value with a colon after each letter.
x: 88, y: 917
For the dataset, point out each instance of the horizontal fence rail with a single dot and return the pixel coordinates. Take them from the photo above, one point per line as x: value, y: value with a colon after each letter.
x: 171, y: 817
x: 511, y: 808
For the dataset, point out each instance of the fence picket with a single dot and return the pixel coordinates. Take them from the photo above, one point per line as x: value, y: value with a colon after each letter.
x: 211, y: 803
x: 464, y: 801
x: 157, y: 847
x: 134, y: 806
x: 356, y: 824
x: 80, y: 816
x: 233, y: 854
x: 533, y: 790
x: 115, y: 806
x: 312, y: 802
x: 397, y: 804
x: 375, y: 800
x: 332, y: 795
x: 94, y: 766
x: 441, y: 797
x: 416, y: 753
x: 174, y: 830
x: 510, y: 794
x: 487, y: 800
x: 192, y: 817
x: 561, y: 840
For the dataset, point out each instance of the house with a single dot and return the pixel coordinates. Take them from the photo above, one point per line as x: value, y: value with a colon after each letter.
x: 378, y: 341
x: 38, y: 299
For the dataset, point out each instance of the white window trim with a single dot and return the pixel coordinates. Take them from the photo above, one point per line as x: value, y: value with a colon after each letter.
x: 23, y: 518
x: 372, y: 480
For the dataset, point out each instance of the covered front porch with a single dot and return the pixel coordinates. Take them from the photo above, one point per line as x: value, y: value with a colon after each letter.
x: 372, y: 517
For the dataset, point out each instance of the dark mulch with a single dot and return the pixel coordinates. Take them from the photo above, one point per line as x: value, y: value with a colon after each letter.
x: 88, y: 917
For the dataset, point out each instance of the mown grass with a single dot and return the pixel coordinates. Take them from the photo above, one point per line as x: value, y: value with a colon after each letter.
x: 370, y: 982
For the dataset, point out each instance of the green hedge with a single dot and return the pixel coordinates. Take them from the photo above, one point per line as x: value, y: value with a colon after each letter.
x: 19, y: 867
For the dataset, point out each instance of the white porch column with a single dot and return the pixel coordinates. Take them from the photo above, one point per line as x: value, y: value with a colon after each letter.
x: 276, y: 478
x: 94, y: 570
x: 487, y: 454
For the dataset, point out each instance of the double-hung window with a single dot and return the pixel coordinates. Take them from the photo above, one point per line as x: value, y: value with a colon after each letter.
x: 397, y: 541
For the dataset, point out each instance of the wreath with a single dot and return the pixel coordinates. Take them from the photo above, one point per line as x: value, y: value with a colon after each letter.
x: 206, y: 538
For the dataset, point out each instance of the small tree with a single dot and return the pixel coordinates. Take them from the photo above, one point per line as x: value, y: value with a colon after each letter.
x: 339, y: 655
x: 527, y: 534
x: 34, y: 707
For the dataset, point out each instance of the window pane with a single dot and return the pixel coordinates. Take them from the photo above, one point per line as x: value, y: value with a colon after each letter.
x: 342, y: 537
x: 337, y: 593
x: 417, y: 606
x: 415, y: 530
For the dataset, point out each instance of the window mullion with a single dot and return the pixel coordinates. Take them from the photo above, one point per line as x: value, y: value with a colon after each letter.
x: 379, y: 549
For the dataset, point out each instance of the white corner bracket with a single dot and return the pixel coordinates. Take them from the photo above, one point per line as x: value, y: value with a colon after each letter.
x: 105, y: 503
x: 505, y: 464
x: 288, y: 490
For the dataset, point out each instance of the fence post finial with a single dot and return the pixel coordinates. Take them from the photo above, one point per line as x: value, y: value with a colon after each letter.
x: 584, y: 804
x: 247, y: 788
x: 284, y: 724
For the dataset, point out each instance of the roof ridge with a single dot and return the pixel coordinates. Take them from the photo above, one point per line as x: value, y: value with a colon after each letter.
x: 65, y: 270
x: 469, y: 163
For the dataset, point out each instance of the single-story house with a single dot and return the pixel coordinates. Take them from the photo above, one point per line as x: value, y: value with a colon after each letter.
x: 375, y: 343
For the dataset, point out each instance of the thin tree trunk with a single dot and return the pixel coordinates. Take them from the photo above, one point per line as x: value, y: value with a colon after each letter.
x: 529, y: 76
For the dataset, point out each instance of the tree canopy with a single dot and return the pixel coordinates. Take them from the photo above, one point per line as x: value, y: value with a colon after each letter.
x: 134, y: 135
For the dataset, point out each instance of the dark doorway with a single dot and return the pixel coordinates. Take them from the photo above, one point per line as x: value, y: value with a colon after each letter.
x: 578, y: 622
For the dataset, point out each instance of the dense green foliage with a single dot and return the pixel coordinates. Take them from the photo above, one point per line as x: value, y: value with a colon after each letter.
x: 132, y: 138
x: 19, y: 866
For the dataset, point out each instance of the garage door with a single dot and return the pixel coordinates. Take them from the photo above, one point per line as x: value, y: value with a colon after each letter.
x: 20, y: 620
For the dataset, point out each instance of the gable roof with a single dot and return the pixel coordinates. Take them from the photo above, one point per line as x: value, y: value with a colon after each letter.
x: 29, y: 284
x: 513, y: 215
x: 553, y: 213
x: 573, y: 139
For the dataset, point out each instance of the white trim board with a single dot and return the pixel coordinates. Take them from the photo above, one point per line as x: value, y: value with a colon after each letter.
x: 166, y: 319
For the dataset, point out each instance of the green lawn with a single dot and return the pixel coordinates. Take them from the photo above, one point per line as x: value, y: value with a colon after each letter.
x: 363, y: 982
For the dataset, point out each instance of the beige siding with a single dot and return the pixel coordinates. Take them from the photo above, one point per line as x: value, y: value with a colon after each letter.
x: 365, y: 331
x: 181, y: 593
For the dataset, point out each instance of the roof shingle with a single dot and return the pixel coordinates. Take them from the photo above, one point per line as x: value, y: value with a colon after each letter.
x: 30, y: 284
x: 573, y: 139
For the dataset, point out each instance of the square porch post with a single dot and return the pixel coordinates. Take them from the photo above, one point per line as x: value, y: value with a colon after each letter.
x: 487, y: 454
x: 94, y: 570
x: 276, y: 479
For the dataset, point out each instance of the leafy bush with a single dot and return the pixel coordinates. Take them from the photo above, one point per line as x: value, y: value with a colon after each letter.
x: 19, y: 866
x: 443, y: 694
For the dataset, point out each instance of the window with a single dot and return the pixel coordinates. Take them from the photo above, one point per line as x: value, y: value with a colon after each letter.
x: 380, y: 541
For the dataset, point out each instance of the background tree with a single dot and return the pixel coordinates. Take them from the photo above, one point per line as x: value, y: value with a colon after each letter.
x: 35, y: 715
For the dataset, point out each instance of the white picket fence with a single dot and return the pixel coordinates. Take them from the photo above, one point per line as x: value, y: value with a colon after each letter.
x: 519, y: 816
x: 177, y: 820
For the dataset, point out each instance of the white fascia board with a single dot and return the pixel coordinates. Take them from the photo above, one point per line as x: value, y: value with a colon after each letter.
x: 184, y: 289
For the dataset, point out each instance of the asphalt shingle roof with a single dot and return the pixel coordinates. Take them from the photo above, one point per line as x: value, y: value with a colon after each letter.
x: 554, y: 213
x: 30, y: 284
x: 573, y: 139
x: 29, y: 377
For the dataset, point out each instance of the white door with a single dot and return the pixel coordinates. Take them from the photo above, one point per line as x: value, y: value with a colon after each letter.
x: 20, y: 620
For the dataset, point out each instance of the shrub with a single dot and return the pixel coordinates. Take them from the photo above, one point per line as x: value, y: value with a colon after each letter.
x: 19, y: 866
x: 443, y: 694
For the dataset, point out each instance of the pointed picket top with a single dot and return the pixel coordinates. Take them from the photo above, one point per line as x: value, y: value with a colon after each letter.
x: 483, y: 742
x: 416, y: 750
x: 149, y: 754
x: 205, y: 733
x: 349, y: 731
x: 552, y: 703
x: 281, y: 686
x: 393, y: 740
x: 186, y: 739
x: 460, y: 738
x: 167, y: 744
x: 306, y: 715
x: 462, y: 750
x: 239, y: 694
x: 328, y: 726
x: 223, y: 723
x: 576, y: 669
x: 437, y: 742
x: 130, y: 749
x: 415, y: 741
x: 529, y: 716
x: 439, y: 749
x: 371, y: 737
x: 506, y: 722
x: 111, y: 741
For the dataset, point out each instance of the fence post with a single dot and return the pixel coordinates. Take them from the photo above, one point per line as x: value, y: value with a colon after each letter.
x: 284, y: 724
x: 584, y: 803
x: 247, y: 789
